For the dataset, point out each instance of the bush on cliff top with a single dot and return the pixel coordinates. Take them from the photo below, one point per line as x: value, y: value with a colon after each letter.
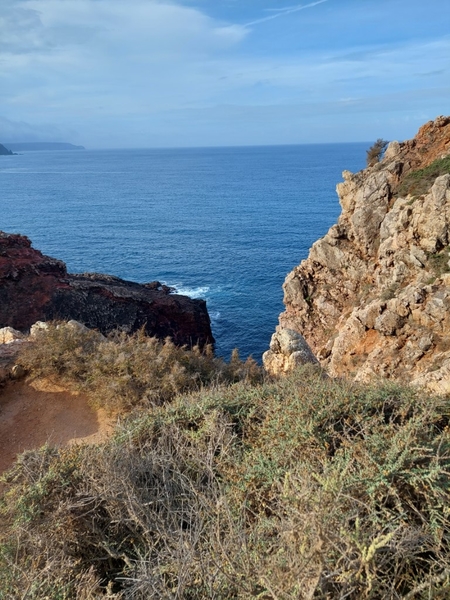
x: 299, y: 488
x: 375, y: 152
x: 123, y: 371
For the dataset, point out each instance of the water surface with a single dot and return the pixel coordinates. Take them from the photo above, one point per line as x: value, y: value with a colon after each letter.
x: 224, y: 224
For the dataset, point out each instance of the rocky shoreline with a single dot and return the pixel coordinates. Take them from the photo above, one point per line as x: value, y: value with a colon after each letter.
x: 35, y: 287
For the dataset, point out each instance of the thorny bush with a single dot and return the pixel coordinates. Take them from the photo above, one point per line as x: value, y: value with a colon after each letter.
x: 300, y: 488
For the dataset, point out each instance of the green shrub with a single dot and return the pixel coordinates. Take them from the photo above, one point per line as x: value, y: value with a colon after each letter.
x: 299, y: 488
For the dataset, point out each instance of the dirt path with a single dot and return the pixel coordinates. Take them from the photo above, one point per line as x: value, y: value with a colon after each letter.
x: 32, y: 415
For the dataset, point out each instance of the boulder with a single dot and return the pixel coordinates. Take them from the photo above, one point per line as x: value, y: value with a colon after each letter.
x: 8, y: 335
x: 288, y: 349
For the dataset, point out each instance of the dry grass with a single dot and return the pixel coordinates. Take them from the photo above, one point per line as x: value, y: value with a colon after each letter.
x: 300, y: 488
x: 123, y: 372
x: 418, y: 183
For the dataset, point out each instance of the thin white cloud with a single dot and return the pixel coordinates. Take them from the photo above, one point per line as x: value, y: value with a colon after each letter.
x: 46, y: 26
x: 281, y: 12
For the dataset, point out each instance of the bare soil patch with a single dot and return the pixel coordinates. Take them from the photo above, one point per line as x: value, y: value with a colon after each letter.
x: 33, y: 414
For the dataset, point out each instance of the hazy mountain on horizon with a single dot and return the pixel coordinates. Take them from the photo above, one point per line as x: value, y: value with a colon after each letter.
x: 18, y: 146
x: 5, y: 151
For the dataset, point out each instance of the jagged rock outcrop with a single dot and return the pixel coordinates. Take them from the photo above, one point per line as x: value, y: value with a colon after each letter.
x: 288, y: 349
x: 373, y: 297
x: 35, y: 287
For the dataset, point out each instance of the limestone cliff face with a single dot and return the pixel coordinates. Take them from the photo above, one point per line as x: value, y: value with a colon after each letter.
x: 373, y: 297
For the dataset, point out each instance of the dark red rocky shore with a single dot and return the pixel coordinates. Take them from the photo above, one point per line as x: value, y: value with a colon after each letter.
x: 35, y: 287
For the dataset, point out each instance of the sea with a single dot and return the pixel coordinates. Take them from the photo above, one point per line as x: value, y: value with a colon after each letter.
x: 223, y: 224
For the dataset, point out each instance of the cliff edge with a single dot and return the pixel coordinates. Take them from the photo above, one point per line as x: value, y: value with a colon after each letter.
x: 35, y: 287
x: 373, y: 296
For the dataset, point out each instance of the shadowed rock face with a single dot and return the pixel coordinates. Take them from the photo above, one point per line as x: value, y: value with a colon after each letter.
x: 36, y: 287
x: 373, y: 296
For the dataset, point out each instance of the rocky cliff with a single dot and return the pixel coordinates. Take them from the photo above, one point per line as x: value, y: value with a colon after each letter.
x: 373, y: 297
x: 35, y: 287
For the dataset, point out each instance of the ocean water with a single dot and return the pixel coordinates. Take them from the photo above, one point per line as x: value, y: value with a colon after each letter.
x: 224, y: 224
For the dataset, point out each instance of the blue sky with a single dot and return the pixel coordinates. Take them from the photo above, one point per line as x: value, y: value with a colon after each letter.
x: 149, y: 73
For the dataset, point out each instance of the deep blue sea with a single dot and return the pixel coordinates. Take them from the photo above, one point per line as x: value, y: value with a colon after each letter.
x: 224, y: 224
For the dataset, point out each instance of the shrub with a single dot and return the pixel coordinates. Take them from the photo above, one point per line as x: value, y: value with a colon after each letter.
x: 122, y: 371
x: 389, y: 292
x: 439, y: 262
x: 375, y: 152
x: 299, y: 488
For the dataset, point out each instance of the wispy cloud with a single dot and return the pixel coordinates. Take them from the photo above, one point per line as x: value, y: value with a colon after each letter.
x: 157, y: 72
x: 281, y: 12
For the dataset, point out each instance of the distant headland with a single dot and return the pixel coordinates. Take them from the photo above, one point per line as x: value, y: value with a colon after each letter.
x: 35, y: 146
x: 5, y: 151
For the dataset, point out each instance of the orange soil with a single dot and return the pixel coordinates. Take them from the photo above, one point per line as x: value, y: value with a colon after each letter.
x: 33, y: 414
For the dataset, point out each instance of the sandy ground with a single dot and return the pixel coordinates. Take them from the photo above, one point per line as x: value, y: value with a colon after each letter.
x: 33, y: 414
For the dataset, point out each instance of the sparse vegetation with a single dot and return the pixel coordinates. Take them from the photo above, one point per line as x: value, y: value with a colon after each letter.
x: 375, y: 152
x: 419, y: 182
x: 299, y: 488
x: 439, y: 262
x: 390, y: 292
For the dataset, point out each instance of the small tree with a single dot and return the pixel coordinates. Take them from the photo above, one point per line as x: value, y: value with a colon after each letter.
x: 375, y: 152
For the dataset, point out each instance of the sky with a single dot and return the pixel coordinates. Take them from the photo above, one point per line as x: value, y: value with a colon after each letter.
x: 177, y: 73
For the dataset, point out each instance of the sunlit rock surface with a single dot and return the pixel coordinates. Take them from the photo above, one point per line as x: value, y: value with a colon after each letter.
x: 373, y: 297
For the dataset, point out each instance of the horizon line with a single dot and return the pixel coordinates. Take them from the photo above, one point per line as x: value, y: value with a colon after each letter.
x: 200, y: 147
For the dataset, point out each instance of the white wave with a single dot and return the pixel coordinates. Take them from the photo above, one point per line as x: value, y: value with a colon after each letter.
x: 214, y: 315
x: 198, y: 292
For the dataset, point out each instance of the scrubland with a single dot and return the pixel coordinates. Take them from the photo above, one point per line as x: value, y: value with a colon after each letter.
x: 222, y: 483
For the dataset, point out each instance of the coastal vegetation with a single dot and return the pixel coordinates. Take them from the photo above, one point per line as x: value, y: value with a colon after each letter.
x: 418, y: 182
x: 223, y: 483
x: 375, y: 152
x: 124, y: 372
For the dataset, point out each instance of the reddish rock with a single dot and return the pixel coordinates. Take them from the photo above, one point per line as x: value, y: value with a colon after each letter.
x: 35, y: 287
x: 431, y: 142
